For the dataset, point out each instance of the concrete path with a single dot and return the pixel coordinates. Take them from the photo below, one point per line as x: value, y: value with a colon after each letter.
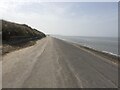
x: 53, y: 63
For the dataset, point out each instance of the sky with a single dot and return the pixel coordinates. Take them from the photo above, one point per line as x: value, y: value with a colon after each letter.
x: 64, y: 18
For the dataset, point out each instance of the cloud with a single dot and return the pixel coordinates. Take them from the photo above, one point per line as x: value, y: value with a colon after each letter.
x: 86, y: 19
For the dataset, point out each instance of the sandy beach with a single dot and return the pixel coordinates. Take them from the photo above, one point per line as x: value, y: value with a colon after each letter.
x: 53, y: 63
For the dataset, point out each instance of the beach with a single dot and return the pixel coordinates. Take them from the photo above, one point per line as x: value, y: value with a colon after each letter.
x: 54, y: 63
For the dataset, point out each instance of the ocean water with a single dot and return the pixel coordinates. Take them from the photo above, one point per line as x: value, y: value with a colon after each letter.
x: 104, y: 44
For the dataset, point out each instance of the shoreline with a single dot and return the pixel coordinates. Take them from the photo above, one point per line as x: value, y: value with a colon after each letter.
x: 113, y: 57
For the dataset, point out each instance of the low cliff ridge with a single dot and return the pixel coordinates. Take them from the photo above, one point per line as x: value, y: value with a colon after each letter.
x: 18, y: 35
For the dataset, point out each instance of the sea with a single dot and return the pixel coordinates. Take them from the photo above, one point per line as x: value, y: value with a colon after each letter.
x: 103, y: 44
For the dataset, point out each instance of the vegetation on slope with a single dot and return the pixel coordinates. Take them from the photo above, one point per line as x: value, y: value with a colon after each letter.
x: 16, y: 36
x: 12, y: 32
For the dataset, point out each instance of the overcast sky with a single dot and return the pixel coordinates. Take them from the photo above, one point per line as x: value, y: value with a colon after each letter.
x: 65, y: 18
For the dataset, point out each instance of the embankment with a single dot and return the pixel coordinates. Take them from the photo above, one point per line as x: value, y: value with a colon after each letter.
x: 16, y: 36
x: 109, y: 56
x: 95, y: 52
